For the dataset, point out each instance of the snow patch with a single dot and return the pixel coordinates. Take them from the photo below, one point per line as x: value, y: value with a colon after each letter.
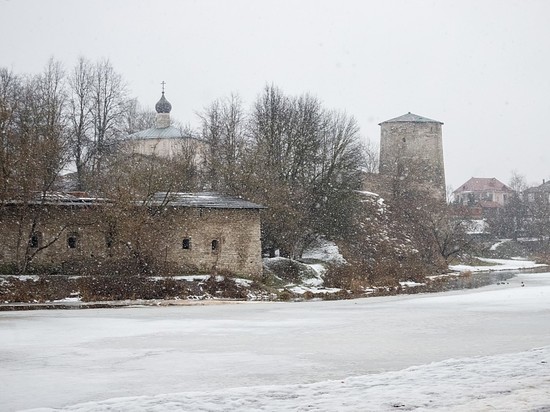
x: 324, y: 251
x: 498, y: 264
x: 496, y: 245
x: 411, y: 284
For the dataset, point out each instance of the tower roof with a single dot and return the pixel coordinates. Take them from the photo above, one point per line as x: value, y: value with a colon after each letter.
x: 411, y: 117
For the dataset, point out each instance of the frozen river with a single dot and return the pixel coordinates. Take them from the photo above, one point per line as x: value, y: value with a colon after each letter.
x: 55, y: 359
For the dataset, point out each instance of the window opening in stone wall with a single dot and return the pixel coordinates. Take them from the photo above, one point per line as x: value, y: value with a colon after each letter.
x: 109, y: 240
x: 215, y: 245
x: 110, y: 235
x: 35, y: 240
x: 72, y: 240
x: 186, y: 243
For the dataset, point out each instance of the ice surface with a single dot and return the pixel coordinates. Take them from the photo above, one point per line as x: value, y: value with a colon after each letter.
x: 474, y: 384
x: 462, y: 350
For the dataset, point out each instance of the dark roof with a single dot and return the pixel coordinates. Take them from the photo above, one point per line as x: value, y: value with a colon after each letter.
x: 543, y: 188
x: 481, y: 184
x: 411, y: 117
x: 209, y: 200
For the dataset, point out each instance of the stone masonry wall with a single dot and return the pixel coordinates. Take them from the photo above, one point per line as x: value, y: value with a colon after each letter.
x: 237, y: 232
x: 413, y: 148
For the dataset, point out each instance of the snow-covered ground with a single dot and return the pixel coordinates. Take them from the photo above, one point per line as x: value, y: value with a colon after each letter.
x: 498, y: 264
x: 482, y: 349
x: 325, y: 251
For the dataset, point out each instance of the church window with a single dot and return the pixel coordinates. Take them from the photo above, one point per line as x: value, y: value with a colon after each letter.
x: 186, y: 243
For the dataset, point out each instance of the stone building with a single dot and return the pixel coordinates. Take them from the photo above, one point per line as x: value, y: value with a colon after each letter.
x: 190, y: 232
x: 411, y: 148
x: 164, y: 140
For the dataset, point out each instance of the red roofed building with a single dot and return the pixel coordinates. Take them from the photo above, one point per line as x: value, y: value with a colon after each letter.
x: 489, y: 194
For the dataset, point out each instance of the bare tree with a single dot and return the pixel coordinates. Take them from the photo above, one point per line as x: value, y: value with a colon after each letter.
x: 10, y: 91
x: 304, y: 163
x: 80, y: 117
x: 371, y: 157
x: 223, y: 129
x: 109, y: 95
x: 137, y: 118
x: 99, y: 113
x: 34, y: 148
x: 517, y: 182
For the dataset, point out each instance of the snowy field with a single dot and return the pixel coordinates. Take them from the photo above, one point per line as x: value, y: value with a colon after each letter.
x: 476, y: 350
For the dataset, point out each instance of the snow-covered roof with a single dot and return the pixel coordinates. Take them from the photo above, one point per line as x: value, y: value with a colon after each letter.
x: 209, y: 200
x: 411, y: 117
x: 60, y: 199
x: 169, y: 132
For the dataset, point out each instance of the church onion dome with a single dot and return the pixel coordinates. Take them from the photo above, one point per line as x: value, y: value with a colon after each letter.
x: 163, y: 105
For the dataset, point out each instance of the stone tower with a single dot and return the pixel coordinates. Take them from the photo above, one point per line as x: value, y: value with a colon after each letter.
x: 411, y: 149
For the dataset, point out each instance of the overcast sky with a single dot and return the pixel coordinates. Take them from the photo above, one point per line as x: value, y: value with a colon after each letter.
x: 481, y: 67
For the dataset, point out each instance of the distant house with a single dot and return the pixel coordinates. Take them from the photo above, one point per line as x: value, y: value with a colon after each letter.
x: 538, y: 194
x: 485, y: 195
x: 191, y: 232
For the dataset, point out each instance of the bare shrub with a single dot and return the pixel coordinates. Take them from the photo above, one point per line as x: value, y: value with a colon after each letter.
x: 39, y: 290
x: 99, y: 288
x: 224, y: 287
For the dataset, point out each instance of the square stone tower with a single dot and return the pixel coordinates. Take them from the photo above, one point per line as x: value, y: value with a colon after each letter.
x: 411, y: 149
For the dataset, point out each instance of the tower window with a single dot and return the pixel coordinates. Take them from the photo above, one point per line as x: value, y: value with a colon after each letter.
x: 186, y: 243
x: 35, y: 240
x: 72, y: 240
x: 215, y: 245
x: 109, y: 240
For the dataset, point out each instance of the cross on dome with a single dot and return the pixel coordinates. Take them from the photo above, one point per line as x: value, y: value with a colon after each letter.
x: 163, y: 105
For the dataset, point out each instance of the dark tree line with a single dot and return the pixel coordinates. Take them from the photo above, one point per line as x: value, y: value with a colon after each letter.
x: 292, y: 155
x: 525, y: 214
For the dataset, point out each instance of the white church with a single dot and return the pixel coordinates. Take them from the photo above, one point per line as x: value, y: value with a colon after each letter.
x: 164, y: 140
